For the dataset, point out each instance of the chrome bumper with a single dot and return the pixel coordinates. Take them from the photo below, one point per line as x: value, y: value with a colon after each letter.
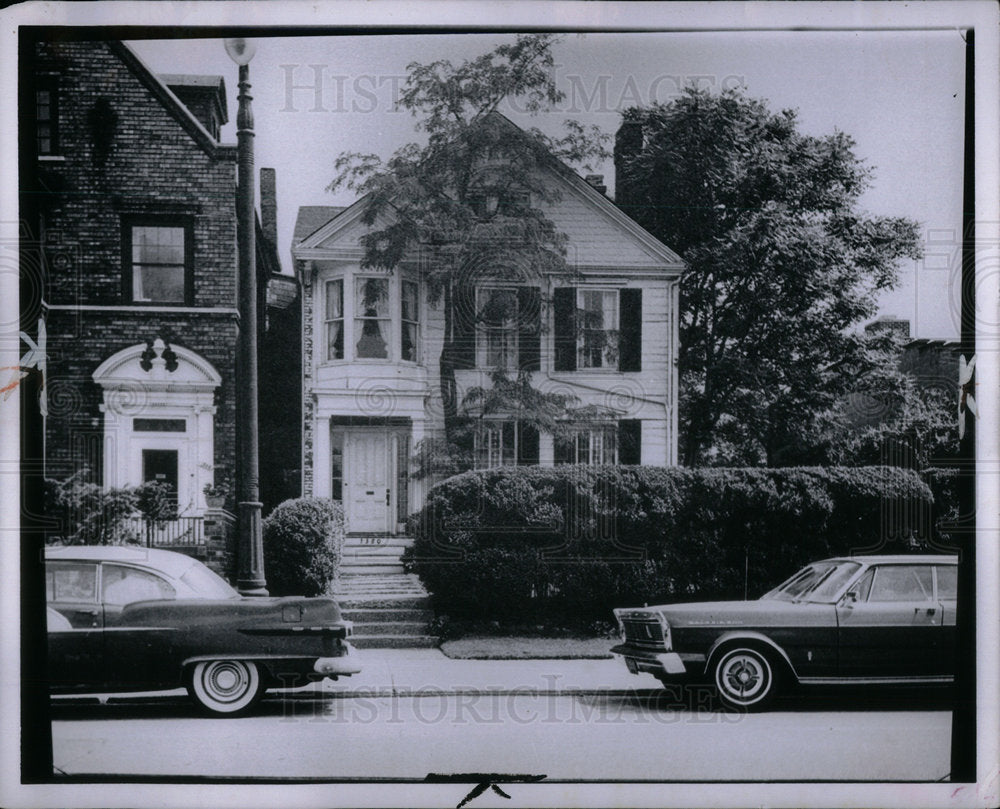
x: 658, y: 663
x: 346, y: 664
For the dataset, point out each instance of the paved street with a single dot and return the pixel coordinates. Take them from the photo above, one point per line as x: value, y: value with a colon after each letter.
x: 429, y: 715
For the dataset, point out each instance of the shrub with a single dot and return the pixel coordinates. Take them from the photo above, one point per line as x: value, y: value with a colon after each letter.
x: 567, y: 544
x: 87, y: 514
x: 303, y: 539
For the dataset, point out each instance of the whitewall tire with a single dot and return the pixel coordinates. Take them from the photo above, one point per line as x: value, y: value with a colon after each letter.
x: 226, y: 687
x: 745, y: 678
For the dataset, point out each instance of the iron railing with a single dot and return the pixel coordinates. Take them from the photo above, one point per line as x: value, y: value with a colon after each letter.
x: 169, y: 533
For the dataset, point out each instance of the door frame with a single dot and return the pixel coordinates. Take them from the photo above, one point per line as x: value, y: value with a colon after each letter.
x: 388, y: 454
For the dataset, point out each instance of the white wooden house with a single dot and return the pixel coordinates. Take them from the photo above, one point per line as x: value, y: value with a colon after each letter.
x: 372, y: 343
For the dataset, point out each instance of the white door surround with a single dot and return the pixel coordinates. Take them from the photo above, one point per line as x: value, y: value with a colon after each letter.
x: 156, y: 408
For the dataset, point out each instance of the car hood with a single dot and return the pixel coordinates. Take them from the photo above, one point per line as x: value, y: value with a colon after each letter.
x: 731, y: 613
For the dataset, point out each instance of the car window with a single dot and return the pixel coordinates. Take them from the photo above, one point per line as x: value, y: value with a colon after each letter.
x: 123, y: 585
x: 207, y: 583
x: 834, y: 581
x: 902, y: 583
x: 947, y: 580
x: 70, y: 581
x: 864, y: 585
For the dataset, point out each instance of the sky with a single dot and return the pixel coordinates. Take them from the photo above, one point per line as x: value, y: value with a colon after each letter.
x: 899, y: 94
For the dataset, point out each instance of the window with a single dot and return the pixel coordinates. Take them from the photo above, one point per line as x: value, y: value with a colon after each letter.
x: 587, y: 447
x: 159, y: 425
x: 337, y: 464
x: 46, y: 118
x: 497, y: 310
x: 598, y: 344
x: 595, y: 328
x: 947, y: 582
x: 902, y: 583
x: 509, y: 334
x: 158, y: 262
x: 335, y: 319
x: 372, y: 324
x: 70, y: 582
x: 123, y: 585
x: 410, y: 316
x: 507, y: 443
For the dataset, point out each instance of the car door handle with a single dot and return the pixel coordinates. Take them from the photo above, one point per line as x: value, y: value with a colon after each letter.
x: 930, y: 610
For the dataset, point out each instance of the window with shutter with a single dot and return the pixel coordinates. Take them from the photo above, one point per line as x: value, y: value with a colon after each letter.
x: 564, y: 315
x: 630, y: 330
x: 630, y: 441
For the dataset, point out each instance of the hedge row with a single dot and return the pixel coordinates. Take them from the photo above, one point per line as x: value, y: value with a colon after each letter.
x: 567, y: 544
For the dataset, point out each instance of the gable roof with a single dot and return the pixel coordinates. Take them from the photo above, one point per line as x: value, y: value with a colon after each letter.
x: 572, y: 181
x: 172, y: 103
x: 311, y: 218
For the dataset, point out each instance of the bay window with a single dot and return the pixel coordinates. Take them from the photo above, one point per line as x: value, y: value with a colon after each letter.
x: 372, y: 321
x: 409, y: 300
x: 335, y: 319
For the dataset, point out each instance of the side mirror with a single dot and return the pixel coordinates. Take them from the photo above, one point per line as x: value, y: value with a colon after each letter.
x: 850, y: 597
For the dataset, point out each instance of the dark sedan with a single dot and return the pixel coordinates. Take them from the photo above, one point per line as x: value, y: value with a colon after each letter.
x: 872, y: 619
x: 135, y: 619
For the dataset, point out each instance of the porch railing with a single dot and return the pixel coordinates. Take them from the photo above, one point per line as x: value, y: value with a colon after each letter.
x: 169, y: 533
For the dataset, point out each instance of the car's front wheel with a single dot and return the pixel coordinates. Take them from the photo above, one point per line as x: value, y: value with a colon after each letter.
x: 227, y: 687
x: 745, y: 678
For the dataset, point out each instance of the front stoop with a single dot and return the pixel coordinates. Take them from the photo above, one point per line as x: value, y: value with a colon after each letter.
x: 390, y: 609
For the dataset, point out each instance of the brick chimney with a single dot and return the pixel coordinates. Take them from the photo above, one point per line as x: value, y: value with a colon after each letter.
x: 597, y: 181
x: 628, y: 143
x: 269, y: 206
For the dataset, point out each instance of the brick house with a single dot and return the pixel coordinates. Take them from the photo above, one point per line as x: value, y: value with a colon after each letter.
x: 133, y: 197
x: 372, y: 342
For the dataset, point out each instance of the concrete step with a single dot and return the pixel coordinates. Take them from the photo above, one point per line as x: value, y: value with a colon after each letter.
x: 375, y: 601
x: 391, y: 628
x: 394, y: 641
x: 373, y: 567
x: 349, y: 551
x: 385, y: 615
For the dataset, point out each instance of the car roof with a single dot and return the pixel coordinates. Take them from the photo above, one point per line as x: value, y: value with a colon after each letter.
x: 898, y: 559
x: 173, y: 564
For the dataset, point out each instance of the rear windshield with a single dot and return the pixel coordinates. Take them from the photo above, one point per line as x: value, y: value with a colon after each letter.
x: 207, y: 583
x: 818, y: 582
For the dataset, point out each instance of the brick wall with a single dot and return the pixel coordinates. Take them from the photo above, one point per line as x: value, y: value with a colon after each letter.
x: 122, y: 150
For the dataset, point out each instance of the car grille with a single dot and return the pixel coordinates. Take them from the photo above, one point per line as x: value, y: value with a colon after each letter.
x: 644, y: 633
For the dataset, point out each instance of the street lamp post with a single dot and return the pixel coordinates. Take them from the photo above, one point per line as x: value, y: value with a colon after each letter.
x: 250, y: 546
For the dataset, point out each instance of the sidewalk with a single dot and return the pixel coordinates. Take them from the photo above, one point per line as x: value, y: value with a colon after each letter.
x: 428, y: 672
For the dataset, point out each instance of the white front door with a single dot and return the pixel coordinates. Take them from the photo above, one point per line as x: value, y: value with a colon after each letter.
x: 368, y: 481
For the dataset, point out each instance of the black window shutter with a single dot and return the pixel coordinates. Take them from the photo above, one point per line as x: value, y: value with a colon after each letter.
x: 527, y: 450
x: 564, y: 312
x: 629, y: 441
x: 529, y: 332
x: 630, y: 330
x: 464, y: 325
x: 564, y: 451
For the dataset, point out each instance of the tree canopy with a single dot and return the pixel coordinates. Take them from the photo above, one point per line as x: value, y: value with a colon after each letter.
x: 782, y: 266
x: 467, y: 202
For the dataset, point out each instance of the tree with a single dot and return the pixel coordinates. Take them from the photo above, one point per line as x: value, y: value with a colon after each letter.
x: 467, y: 203
x: 892, y: 418
x: 782, y: 266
